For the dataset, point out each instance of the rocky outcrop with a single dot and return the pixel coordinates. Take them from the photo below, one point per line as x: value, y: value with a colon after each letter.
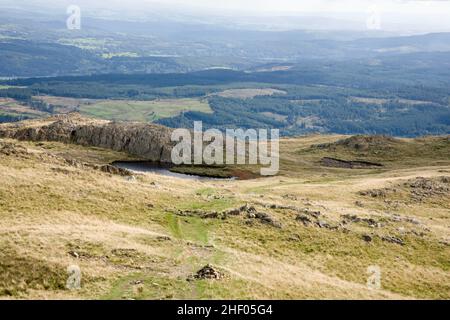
x: 363, y: 143
x: 207, y: 272
x: 147, y: 141
x: 424, y: 188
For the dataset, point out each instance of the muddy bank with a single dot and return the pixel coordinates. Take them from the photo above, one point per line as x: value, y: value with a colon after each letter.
x: 170, y: 170
x: 338, y: 163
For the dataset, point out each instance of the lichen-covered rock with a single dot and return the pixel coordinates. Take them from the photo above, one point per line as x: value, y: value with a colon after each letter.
x: 208, y: 272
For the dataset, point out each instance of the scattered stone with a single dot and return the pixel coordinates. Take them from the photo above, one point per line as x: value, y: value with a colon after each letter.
x: 417, y: 233
x: 304, y: 219
x: 294, y: 238
x: 74, y: 254
x: 138, y: 289
x: 372, y: 223
x: 399, y: 218
x: 108, y: 168
x: 250, y: 209
x: 115, y: 170
x: 292, y: 197
x: 412, y: 220
x: 377, y: 193
x: 74, y: 163
x: 61, y: 170
x: 419, y: 188
x: 211, y: 215
x: 250, y: 223
x: 190, y: 213
x: 322, y: 224
x: 240, y: 210
x: 314, y: 214
x: 396, y: 218
x: 393, y: 240
x: 208, y: 272
x: 308, y: 218
x: 267, y: 219
x: 129, y: 253
x: 393, y: 204
x: 347, y: 218
x: 359, y: 204
x: 367, y: 238
x: 163, y: 238
x: 306, y: 211
x: 423, y: 188
x: 251, y: 215
x: 344, y: 229
x: 214, y: 197
x: 325, y: 225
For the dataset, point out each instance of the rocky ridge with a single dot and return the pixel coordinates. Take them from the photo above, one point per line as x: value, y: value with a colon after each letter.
x: 147, y: 141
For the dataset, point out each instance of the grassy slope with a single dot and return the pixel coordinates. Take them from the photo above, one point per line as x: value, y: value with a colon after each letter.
x: 127, y: 110
x: 49, y: 208
x: 12, y: 107
x: 249, y: 93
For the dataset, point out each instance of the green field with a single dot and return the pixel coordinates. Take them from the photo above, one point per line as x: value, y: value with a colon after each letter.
x: 12, y: 108
x: 2, y: 87
x: 147, y: 111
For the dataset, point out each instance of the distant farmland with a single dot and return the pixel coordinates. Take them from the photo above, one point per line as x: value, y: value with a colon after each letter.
x: 146, y: 111
x: 127, y: 110
x: 249, y: 93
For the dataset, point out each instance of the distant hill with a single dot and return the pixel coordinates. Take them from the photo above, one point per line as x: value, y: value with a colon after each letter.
x: 23, y: 58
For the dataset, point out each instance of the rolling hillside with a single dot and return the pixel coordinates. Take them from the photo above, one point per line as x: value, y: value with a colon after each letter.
x: 311, y: 232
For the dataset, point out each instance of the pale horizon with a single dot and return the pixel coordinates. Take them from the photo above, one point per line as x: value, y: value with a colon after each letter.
x: 396, y: 15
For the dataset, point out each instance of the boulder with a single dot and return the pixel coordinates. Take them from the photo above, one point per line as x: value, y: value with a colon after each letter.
x: 393, y: 240
x: 208, y: 272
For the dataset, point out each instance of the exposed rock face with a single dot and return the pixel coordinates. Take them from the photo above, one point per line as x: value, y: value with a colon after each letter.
x: 338, y: 163
x: 393, y: 240
x: 148, y: 141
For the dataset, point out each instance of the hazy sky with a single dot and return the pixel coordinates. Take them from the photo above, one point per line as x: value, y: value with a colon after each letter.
x: 432, y: 15
x: 404, y: 7
x: 421, y: 6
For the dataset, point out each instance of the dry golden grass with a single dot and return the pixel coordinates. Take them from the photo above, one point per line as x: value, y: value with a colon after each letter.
x: 126, y: 234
